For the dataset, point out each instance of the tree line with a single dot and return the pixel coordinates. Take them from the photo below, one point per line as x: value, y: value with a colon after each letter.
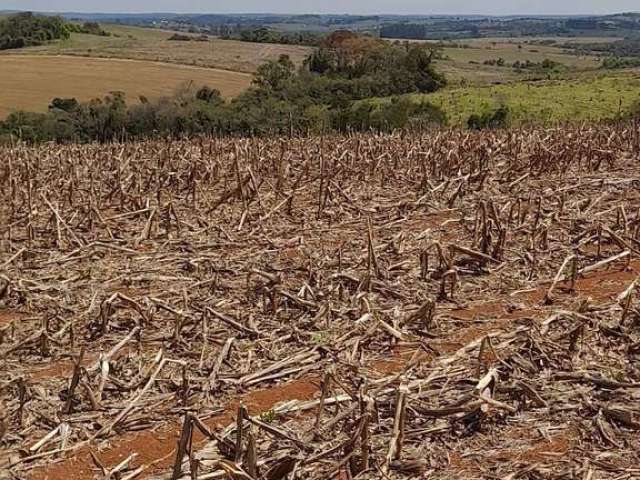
x: 323, y: 95
x: 268, y: 35
x: 28, y: 30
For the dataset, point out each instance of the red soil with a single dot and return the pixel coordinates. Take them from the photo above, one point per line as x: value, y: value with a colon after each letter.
x: 389, y: 367
x: 459, y: 464
x: 157, y: 448
x: 430, y: 220
x: 600, y: 286
x: 56, y: 369
x: 496, y: 308
x: 8, y: 316
x: 545, y: 449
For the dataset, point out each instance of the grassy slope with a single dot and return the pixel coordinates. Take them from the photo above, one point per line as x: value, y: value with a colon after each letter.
x: 466, y: 64
x: 543, y: 102
x: 581, y: 92
x: 150, y: 44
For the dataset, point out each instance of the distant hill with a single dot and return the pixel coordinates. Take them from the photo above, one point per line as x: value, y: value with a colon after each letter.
x: 438, y: 27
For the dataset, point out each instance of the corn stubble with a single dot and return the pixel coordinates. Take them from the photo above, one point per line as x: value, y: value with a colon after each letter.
x: 459, y: 305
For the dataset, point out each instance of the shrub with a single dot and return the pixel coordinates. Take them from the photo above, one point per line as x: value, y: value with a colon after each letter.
x: 89, y: 28
x: 634, y: 110
x: 400, y: 112
x: 178, y: 37
x: 613, y: 63
x: 498, y: 118
x: 64, y: 104
x: 26, y: 30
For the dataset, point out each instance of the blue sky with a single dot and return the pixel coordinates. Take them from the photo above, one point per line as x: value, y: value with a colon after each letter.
x: 494, y: 7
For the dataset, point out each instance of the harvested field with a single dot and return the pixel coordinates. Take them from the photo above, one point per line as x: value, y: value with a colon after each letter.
x: 31, y: 82
x: 444, y: 305
x: 154, y: 45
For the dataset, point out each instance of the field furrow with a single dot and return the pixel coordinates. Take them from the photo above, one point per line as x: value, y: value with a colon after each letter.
x: 446, y: 304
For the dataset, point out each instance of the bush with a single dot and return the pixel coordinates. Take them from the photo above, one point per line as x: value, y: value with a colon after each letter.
x: 634, y: 110
x: 89, y: 28
x: 546, y: 66
x: 613, y: 63
x: 399, y: 113
x: 64, y: 104
x: 209, y: 95
x: 178, y: 37
x: 26, y: 30
x: 490, y: 120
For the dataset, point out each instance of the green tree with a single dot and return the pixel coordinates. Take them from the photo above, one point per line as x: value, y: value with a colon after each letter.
x: 64, y: 104
x: 275, y: 75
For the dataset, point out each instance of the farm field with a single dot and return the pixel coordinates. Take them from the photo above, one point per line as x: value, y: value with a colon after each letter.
x: 31, y: 82
x: 465, y: 64
x: 510, y: 52
x: 559, y: 40
x: 153, y: 45
x: 587, y: 98
x: 439, y: 305
x: 460, y: 66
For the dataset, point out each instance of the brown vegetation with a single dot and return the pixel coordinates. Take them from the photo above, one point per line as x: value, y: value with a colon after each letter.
x: 381, y: 306
x: 154, y: 45
x: 31, y: 82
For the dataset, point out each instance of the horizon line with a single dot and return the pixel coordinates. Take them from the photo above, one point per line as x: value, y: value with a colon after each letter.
x: 472, y: 14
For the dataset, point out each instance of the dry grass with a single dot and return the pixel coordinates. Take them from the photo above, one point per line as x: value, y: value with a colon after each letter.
x: 149, y: 44
x: 88, y: 66
x: 466, y: 64
x: 511, y: 53
x: 377, y: 303
x: 558, y: 39
x: 31, y: 82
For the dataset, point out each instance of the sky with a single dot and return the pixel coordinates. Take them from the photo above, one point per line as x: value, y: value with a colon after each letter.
x: 425, y: 7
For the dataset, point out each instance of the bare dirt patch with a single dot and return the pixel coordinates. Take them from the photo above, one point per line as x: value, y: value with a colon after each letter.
x: 7, y: 317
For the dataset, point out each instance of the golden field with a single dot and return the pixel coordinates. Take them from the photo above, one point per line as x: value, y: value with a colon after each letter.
x: 30, y: 82
x: 152, y: 44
